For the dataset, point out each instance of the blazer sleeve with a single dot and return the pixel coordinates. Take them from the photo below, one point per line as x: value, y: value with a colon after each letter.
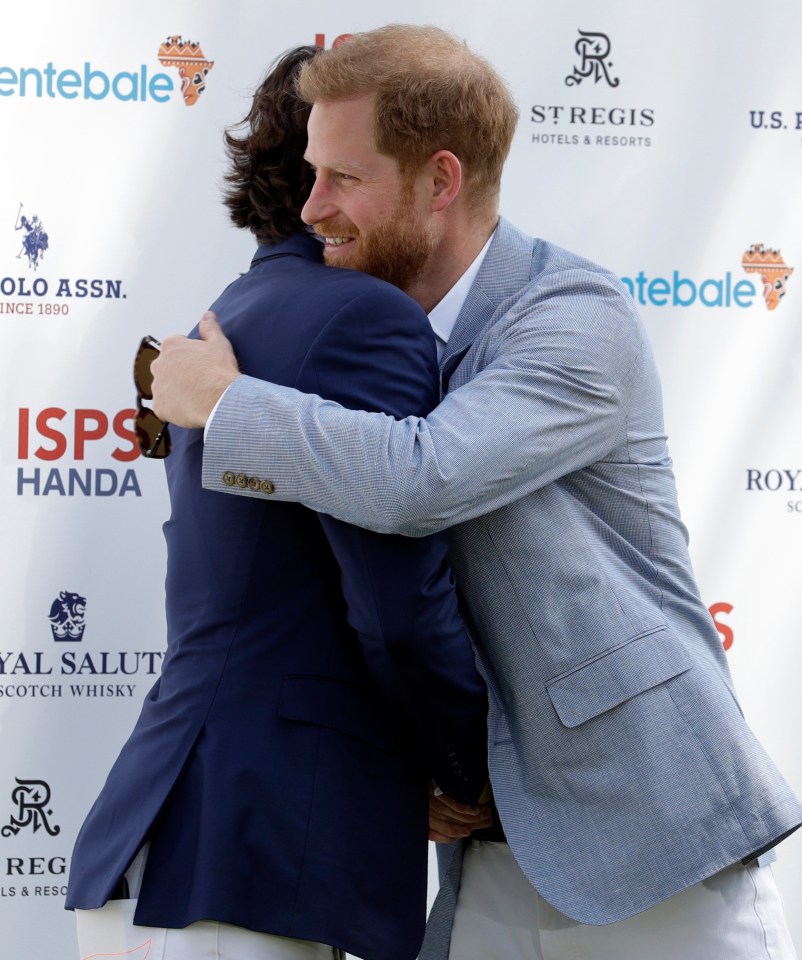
x: 377, y: 353
x: 550, y: 396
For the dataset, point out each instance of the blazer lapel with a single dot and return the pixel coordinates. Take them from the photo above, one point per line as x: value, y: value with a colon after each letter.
x: 504, y: 272
x: 449, y: 366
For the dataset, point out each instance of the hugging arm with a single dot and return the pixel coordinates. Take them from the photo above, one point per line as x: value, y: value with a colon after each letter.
x: 550, y: 396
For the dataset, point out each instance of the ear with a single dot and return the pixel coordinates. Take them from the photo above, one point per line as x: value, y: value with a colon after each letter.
x: 445, y: 173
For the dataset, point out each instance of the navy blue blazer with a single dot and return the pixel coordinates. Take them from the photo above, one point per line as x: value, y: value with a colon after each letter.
x: 317, y: 675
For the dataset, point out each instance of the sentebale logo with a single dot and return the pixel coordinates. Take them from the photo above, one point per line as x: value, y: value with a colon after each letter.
x: 193, y: 67
x: 90, y: 83
x: 773, y: 270
x: 679, y: 290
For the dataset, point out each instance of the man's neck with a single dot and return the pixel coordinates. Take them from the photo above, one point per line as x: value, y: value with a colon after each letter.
x: 450, y: 259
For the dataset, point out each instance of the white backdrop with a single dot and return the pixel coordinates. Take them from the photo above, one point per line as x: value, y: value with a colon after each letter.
x: 663, y: 140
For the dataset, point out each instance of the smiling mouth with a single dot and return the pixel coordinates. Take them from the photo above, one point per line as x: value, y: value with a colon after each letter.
x: 336, y: 241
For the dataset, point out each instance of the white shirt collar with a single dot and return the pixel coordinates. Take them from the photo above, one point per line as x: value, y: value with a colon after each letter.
x: 444, y: 315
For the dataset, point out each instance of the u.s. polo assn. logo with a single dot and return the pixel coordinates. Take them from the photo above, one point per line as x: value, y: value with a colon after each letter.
x: 34, y: 239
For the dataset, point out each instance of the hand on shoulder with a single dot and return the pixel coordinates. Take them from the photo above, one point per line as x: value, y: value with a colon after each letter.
x: 190, y: 376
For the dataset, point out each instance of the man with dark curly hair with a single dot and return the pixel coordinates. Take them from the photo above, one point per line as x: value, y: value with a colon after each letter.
x: 272, y: 799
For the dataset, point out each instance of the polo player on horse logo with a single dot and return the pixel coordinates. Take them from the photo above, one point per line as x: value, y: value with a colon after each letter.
x: 34, y: 243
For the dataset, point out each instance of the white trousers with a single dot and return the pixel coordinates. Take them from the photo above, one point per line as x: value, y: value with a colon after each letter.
x: 110, y: 931
x: 735, y: 915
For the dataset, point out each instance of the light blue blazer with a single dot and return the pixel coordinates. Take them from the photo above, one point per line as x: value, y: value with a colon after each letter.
x: 622, y: 767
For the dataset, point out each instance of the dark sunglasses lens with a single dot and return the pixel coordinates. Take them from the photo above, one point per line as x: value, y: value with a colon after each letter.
x: 143, y: 378
x: 152, y: 434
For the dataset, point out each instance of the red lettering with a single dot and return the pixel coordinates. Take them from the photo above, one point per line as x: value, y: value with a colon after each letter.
x: 126, y: 433
x: 82, y: 433
x: 24, y: 425
x: 320, y: 40
x: 726, y: 631
x: 89, y: 425
x: 49, y: 433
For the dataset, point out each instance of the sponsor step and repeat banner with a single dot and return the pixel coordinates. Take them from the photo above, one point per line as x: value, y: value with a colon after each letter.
x: 663, y: 140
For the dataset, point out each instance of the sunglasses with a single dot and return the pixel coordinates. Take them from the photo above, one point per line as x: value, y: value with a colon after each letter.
x: 152, y: 434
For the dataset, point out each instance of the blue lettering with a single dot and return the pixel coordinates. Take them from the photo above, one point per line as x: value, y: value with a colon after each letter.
x: 50, y: 72
x: 717, y: 297
x: 52, y: 483
x: 89, y: 76
x: 22, y: 480
x: 130, y: 484
x: 125, y: 86
x: 68, y: 79
x: 792, y: 478
x: 683, y: 282
x: 744, y: 293
x: 37, y: 76
x: 21, y: 666
x: 83, y: 484
x: 681, y: 291
x: 659, y: 290
x: 98, y: 483
x: 100, y: 489
x: 122, y: 80
x: 753, y: 479
x: 160, y: 87
x: 7, y: 75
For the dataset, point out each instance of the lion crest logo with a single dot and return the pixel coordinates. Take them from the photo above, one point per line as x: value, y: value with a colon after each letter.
x: 68, y: 617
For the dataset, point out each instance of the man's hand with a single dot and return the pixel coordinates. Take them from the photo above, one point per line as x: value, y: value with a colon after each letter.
x: 449, y: 820
x: 190, y: 376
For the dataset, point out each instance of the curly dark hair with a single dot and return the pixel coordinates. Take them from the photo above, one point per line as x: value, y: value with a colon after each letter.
x: 270, y: 180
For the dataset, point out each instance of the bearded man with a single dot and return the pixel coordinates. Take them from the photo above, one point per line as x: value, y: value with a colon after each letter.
x: 636, y: 808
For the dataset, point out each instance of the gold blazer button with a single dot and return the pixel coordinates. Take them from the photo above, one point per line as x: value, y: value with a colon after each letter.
x: 228, y: 478
x: 267, y: 487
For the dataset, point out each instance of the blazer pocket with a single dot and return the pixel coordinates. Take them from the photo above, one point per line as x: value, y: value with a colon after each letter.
x: 337, y: 704
x: 616, y: 676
